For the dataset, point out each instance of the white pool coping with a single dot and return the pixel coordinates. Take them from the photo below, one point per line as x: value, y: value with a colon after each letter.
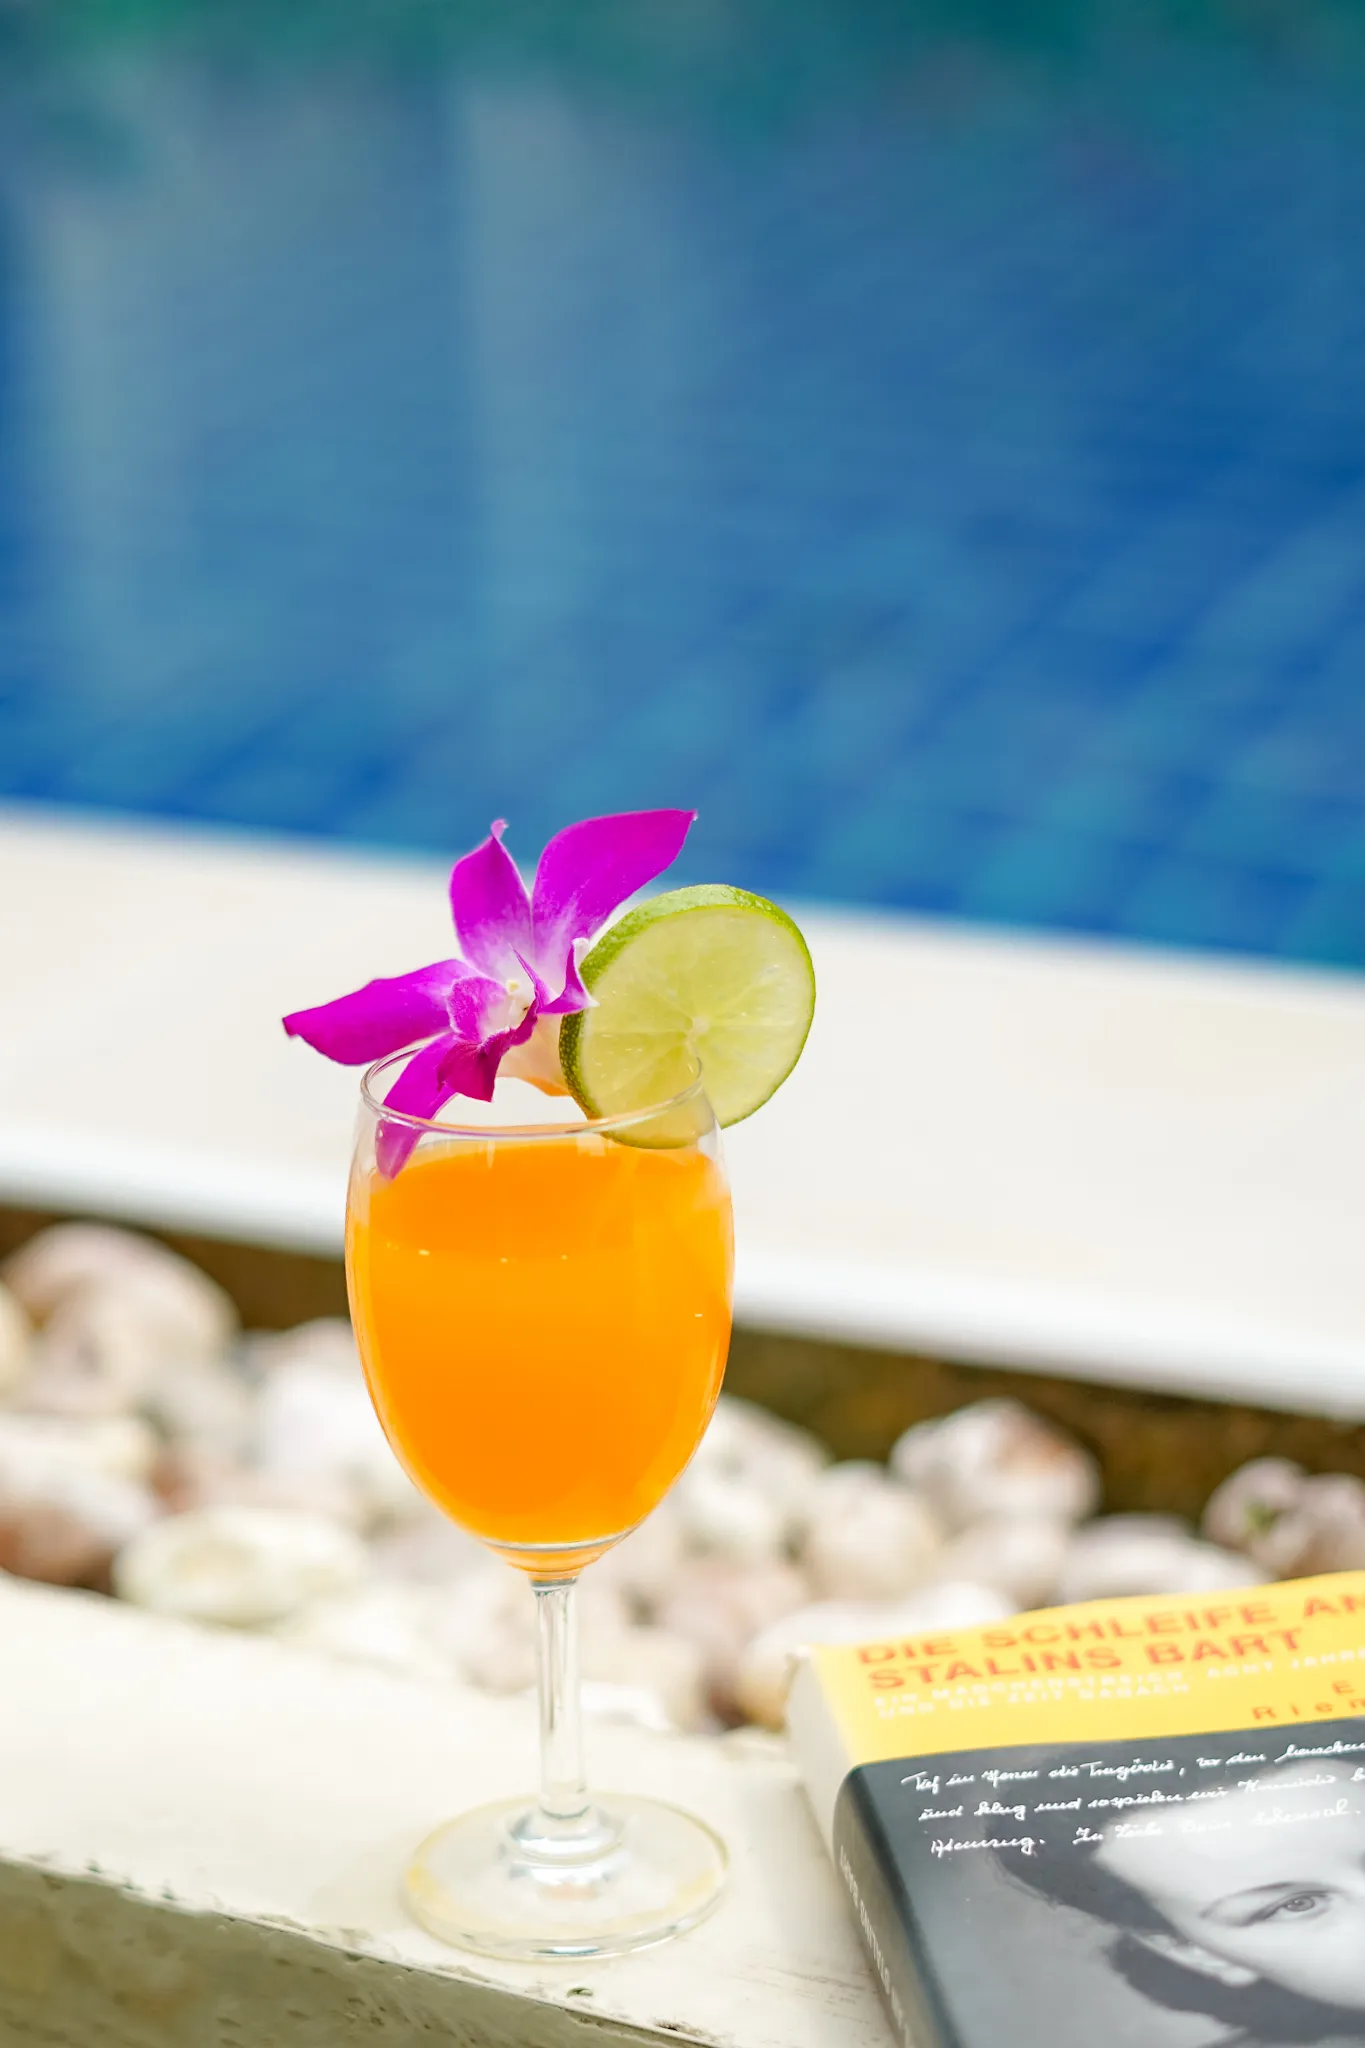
x: 202, y: 1831
x: 1116, y: 1164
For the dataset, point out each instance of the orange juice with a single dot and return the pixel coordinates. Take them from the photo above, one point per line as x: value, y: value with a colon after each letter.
x: 544, y: 1325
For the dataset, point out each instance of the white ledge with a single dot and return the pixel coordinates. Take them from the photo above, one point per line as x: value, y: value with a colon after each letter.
x: 202, y: 1838
x: 1080, y: 1158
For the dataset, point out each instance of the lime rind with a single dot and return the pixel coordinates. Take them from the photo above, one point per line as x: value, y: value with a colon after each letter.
x: 709, y: 976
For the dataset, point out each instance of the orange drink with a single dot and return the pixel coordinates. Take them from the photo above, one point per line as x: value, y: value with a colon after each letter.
x: 544, y: 1326
x: 543, y: 1306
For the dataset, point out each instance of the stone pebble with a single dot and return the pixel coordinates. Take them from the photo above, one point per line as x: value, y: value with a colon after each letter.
x: 151, y: 1448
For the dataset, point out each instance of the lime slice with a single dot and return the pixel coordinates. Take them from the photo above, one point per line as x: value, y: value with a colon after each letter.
x: 710, y: 976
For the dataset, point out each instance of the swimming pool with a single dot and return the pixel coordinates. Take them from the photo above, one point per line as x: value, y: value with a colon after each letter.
x: 933, y: 447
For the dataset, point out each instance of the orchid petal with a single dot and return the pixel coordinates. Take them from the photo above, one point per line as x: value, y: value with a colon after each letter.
x: 537, y: 1061
x: 588, y: 870
x: 539, y: 993
x: 575, y: 995
x: 420, y: 1090
x: 450, y: 1065
x: 477, y: 1008
x: 464, y: 1008
x: 382, y: 1017
x: 519, y: 1034
x: 474, y: 1064
x: 489, y: 904
x: 471, y: 1069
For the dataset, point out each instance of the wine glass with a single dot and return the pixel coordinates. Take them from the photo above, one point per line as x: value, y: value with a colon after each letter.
x: 543, y: 1312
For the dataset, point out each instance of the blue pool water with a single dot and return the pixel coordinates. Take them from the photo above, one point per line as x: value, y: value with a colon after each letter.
x: 928, y: 438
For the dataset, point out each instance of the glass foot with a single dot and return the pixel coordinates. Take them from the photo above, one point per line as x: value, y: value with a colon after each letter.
x: 504, y: 1881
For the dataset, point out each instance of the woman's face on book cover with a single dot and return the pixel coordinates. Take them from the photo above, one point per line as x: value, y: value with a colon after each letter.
x: 1266, y: 1882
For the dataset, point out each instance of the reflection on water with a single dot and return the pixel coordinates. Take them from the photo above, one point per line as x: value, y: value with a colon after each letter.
x: 933, y: 441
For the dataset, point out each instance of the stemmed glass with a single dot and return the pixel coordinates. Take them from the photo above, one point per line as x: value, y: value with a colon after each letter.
x: 543, y: 1311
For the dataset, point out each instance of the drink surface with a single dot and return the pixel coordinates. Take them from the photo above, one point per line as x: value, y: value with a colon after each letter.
x: 544, y: 1326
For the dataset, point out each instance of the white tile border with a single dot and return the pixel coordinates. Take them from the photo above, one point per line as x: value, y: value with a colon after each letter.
x: 270, y: 1798
x: 1118, y: 1165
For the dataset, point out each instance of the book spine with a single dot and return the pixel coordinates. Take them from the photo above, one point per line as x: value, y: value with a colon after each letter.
x: 863, y: 1860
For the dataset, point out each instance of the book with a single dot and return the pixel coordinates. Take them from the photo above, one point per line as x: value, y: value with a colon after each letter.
x: 1137, y: 1821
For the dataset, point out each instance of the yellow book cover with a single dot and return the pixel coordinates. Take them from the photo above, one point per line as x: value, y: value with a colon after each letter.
x: 1136, y: 1821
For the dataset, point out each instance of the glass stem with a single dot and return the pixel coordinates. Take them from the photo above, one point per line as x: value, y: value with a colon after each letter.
x: 564, y: 1808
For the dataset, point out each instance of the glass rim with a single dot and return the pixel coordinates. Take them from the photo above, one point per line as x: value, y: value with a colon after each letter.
x: 623, y: 1119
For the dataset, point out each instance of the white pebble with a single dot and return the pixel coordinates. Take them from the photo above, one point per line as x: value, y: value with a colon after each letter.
x: 1130, y: 1554
x: 118, y: 1446
x: 16, y: 1339
x: 1289, y: 1524
x: 866, y: 1536
x: 315, y: 1422
x: 1245, y: 1509
x: 62, y: 1517
x: 326, y: 1340
x: 194, y: 1475
x: 624, y: 1706
x: 729, y: 1515
x: 660, y: 1669
x: 1334, y: 1510
x: 719, y: 1607
x: 1324, y: 1531
x: 243, y: 1567
x: 1020, y: 1555
x: 766, y: 1668
x: 487, y: 1621
x: 428, y: 1550
x: 190, y: 1314
x: 96, y: 1355
x: 385, y: 1625
x: 997, y: 1458
x: 770, y: 1457
x: 204, y: 1402
x: 645, y: 1565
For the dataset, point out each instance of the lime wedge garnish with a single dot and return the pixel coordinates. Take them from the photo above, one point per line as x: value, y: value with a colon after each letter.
x: 708, y: 976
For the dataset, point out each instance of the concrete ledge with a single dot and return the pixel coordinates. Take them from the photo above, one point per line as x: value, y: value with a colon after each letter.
x: 1129, y: 1167
x: 201, y: 1840
x: 83, y: 1962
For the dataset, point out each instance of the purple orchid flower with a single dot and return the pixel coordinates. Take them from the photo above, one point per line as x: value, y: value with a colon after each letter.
x: 519, y: 961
